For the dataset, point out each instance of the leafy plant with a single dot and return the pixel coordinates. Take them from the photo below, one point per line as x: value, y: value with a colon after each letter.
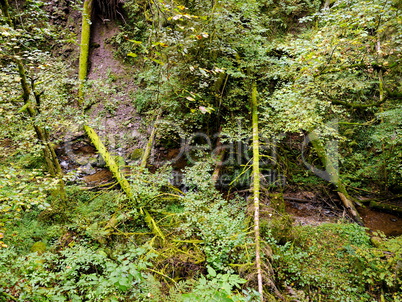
x: 337, y: 261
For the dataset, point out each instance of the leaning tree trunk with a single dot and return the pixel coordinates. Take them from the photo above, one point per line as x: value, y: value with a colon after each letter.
x: 333, y: 177
x: 52, y: 163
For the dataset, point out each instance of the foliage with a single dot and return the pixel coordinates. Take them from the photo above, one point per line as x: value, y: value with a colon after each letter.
x: 219, y: 223
x: 95, y: 265
x: 337, y: 261
x: 21, y: 190
x: 197, y: 69
x: 218, y: 288
x: 194, y: 62
x: 35, y: 89
x: 76, y: 273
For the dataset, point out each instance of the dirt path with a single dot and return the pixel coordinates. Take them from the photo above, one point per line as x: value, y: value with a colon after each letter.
x: 118, y: 123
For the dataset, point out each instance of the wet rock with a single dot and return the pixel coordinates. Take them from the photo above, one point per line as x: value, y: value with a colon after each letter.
x: 64, y: 164
x: 100, y: 177
x: 84, y: 160
x: 100, y: 162
x: 87, y: 169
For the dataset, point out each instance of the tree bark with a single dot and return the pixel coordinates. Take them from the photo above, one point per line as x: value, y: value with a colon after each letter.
x: 256, y: 186
x: 5, y: 9
x: 52, y: 162
x: 333, y: 177
x: 84, y: 47
x: 219, y: 156
x: 148, y: 146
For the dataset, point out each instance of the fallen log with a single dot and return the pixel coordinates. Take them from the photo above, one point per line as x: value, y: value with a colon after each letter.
x: 386, y: 207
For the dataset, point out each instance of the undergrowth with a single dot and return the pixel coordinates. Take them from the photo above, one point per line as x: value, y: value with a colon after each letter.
x: 84, y: 257
x: 337, y: 262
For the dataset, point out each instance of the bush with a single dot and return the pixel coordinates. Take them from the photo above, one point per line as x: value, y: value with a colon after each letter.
x: 337, y: 262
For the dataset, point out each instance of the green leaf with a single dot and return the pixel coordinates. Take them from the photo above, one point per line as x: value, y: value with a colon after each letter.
x: 211, y: 271
x: 157, y: 61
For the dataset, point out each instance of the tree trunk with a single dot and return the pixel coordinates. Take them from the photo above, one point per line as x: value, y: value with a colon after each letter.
x: 256, y: 185
x: 121, y: 179
x: 84, y: 47
x: 383, y: 205
x: 332, y: 174
x: 219, y: 156
x: 148, y: 146
x: 256, y: 196
x: 5, y: 9
x: 52, y: 162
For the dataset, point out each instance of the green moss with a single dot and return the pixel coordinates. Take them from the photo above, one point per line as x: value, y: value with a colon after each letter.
x: 84, y: 48
x: 120, y: 161
x: 136, y: 154
x: 39, y: 247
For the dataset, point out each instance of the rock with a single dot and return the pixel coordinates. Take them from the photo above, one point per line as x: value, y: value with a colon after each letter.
x: 64, y: 164
x: 100, y: 162
x: 84, y: 160
x: 100, y: 177
x: 87, y: 169
x: 376, y: 241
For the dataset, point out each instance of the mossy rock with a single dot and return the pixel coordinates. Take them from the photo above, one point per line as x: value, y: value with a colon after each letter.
x: 376, y: 241
x: 137, y: 154
x: 39, y: 247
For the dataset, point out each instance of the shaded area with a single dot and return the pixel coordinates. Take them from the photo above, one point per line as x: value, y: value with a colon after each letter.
x: 390, y: 224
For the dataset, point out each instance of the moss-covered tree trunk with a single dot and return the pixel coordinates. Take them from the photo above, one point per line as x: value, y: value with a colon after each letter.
x: 84, y: 47
x: 4, y: 6
x: 150, y: 143
x: 52, y: 162
x: 110, y: 162
x: 333, y: 176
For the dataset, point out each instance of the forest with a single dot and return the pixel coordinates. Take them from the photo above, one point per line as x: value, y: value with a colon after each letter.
x: 194, y: 150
